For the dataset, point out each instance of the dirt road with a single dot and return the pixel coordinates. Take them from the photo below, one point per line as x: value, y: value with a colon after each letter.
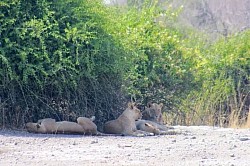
x: 196, y: 145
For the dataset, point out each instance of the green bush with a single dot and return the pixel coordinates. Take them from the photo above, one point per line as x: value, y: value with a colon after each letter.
x: 159, y: 66
x: 64, y: 59
x: 57, y: 61
x: 224, y: 72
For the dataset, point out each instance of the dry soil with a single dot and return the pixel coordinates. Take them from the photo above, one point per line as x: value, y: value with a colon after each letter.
x: 195, y: 145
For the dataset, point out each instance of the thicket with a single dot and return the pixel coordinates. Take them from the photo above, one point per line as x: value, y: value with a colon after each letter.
x: 223, y: 98
x: 64, y: 59
x: 57, y: 61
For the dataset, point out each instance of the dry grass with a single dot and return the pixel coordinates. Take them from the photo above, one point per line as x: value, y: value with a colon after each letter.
x: 247, y: 124
x: 233, y: 120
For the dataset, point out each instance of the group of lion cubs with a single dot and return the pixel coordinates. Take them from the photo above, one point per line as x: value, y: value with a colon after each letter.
x: 128, y: 123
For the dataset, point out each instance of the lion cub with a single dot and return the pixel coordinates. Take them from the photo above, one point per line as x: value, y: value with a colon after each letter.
x: 153, y: 113
x: 50, y: 126
x: 152, y: 120
x: 153, y: 127
x: 125, y: 123
x: 88, y: 125
x: 147, y: 127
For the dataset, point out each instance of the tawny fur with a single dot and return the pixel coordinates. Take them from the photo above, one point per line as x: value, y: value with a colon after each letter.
x: 43, y: 126
x: 125, y: 123
x: 50, y: 126
x: 147, y: 127
x: 88, y: 125
x: 153, y: 127
x: 153, y: 113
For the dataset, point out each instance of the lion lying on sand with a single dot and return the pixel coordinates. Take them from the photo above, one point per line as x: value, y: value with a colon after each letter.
x: 88, y: 125
x: 153, y: 127
x: 152, y: 120
x: 128, y: 123
x: 153, y: 113
x: 125, y: 123
x: 50, y: 126
x: 147, y: 127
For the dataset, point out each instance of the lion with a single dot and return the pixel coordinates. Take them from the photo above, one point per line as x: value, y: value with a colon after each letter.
x: 88, y: 125
x: 147, y: 127
x: 152, y: 118
x: 43, y: 126
x: 153, y: 127
x: 50, y: 126
x: 125, y: 123
x: 153, y: 113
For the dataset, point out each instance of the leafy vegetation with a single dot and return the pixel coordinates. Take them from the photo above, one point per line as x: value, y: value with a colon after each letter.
x: 224, y: 72
x: 56, y: 61
x: 64, y: 59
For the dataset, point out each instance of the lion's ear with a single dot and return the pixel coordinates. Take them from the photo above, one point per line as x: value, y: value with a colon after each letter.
x: 130, y: 105
x: 92, y: 118
x: 161, y: 105
x: 149, y: 104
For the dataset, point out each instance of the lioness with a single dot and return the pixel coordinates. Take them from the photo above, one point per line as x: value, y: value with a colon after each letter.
x: 50, y: 126
x: 147, y: 127
x: 125, y: 123
x: 88, y: 125
x: 153, y: 127
x: 153, y: 113
x: 47, y: 125
x: 152, y: 116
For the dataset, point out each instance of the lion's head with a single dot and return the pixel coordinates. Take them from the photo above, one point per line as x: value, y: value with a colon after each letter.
x: 132, y: 111
x: 153, y: 112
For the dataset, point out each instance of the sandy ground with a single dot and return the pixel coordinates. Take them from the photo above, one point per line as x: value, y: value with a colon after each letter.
x: 196, y: 145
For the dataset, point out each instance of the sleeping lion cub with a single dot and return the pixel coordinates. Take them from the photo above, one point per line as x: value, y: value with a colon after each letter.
x: 125, y: 123
x: 50, y: 126
x: 153, y: 127
x: 88, y: 125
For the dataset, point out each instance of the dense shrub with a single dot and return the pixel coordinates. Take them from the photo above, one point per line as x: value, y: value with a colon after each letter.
x: 57, y: 61
x: 224, y: 72
x: 159, y: 66
x: 65, y: 58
